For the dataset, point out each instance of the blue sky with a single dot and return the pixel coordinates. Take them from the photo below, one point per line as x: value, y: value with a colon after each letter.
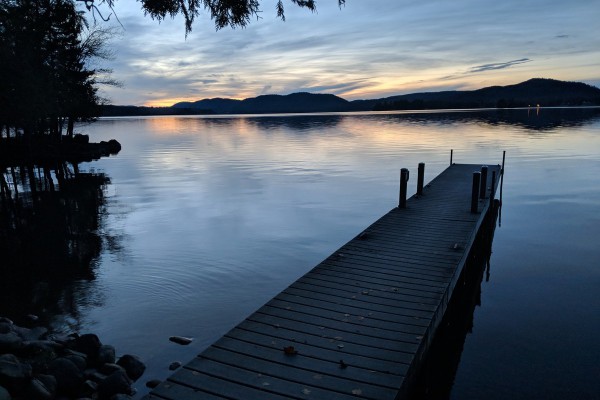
x: 367, y: 49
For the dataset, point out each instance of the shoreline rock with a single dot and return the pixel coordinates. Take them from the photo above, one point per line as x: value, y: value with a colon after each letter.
x: 37, y: 366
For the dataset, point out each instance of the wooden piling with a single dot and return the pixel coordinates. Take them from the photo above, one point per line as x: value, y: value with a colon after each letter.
x: 492, y: 191
x: 420, y: 179
x: 483, y: 182
x: 475, y: 191
x: 403, y: 183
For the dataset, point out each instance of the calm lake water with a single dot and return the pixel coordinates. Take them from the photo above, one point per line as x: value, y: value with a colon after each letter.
x: 204, y: 219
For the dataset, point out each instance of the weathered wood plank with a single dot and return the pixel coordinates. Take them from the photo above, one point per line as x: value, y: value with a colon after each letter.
x: 347, y: 317
x: 261, y: 381
x: 366, y: 295
x: 363, y: 303
x: 339, y: 381
x: 344, y: 326
x: 278, y: 359
x: 329, y: 332
x: 334, y: 354
x: 330, y: 343
x: 375, y: 277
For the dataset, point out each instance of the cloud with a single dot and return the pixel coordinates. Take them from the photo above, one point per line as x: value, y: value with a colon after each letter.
x: 369, y: 49
x: 337, y: 89
x: 495, y: 66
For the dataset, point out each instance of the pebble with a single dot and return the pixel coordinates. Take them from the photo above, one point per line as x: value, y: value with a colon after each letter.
x: 174, y: 365
x: 181, y: 340
x: 153, y: 383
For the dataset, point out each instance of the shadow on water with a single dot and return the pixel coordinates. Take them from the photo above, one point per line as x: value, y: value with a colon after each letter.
x: 50, y: 219
x: 436, y: 376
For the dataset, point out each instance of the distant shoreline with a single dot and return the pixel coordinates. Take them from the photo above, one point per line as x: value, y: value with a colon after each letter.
x: 191, y: 112
x: 529, y: 94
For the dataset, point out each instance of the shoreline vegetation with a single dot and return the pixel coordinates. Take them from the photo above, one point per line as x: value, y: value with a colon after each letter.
x: 532, y: 93
x: 40, y: 150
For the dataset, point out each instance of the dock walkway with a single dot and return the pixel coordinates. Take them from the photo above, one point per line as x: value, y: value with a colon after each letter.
x: 359, y: 324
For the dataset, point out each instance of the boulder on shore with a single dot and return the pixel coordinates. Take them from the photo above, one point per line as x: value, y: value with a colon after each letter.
x: 35, y: 366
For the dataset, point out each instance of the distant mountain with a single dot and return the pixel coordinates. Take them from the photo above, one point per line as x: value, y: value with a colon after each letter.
x: 545, y: 92
x: 271, y: 104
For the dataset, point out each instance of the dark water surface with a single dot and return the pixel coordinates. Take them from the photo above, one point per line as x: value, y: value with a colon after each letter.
x: 201, y: 220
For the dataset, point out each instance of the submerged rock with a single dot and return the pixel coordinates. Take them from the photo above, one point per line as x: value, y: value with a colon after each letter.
x: 68, y: 376
x: 152, y: 383
x: 88, y: 344
x: 106, y: 354
x: 13, y: 373
x: 4, y: 395
x: 181, y: 340
x: 10, y: 342
x: 116, y: 383
x: 38, y: 389
x: 132, y: 365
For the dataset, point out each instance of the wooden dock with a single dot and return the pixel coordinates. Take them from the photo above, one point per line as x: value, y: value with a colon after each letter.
x: 359, y: 324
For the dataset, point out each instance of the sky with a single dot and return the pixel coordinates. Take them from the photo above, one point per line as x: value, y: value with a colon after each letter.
x: 366, y: 49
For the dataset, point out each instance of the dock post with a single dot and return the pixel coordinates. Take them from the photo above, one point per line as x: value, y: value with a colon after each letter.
x: 420, y: 179
x: 483, y: 182
x: 451, y: 154
x: 475, y: 192
x: 403, y: 181
x: 493, y: 191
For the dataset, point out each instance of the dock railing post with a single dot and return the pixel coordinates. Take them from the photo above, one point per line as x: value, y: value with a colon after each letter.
x: 403, y: 182
x: 420, y: 179
x: 483, y: 182
x: 493, y: 191
x: 475, y: 192
x: 451, y: 154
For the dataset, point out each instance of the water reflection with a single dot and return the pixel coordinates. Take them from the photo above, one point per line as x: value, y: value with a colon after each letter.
x: 531, y: 119
x: 50, y: 218
x: 436, y: 379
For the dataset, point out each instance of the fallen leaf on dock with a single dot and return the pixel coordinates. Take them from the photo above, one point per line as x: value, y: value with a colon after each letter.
x: 290, y: 350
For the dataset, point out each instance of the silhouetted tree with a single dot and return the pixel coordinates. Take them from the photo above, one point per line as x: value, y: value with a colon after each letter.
x: 45, y: 83
x: 233, y: 13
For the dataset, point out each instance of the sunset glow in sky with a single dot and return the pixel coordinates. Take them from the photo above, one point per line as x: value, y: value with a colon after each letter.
x: 367, y: 49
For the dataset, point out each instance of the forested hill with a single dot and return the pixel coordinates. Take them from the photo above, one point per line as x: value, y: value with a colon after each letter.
x: 545, y: 92
x: 267, y: 104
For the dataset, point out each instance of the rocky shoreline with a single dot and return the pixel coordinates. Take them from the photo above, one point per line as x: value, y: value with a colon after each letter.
x: 37, y: 365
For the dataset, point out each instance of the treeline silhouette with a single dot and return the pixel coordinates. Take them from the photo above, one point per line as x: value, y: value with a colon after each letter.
x: 125, y: 111
x: 46, y: 85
